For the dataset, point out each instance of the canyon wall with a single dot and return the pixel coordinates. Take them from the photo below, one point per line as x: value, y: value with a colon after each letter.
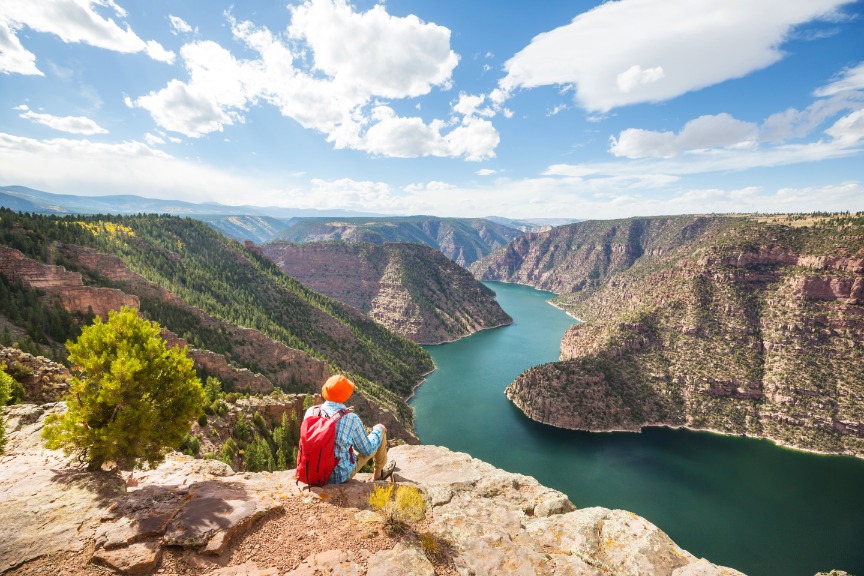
x: 411, y: 289
x: 746, y: 328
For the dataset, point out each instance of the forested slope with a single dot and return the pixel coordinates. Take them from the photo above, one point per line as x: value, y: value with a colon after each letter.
x: 197, y: 269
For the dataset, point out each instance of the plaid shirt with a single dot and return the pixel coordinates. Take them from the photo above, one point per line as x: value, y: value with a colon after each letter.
x: 349, y: 432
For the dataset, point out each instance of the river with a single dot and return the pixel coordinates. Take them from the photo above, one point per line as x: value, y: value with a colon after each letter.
x: 739, y: 502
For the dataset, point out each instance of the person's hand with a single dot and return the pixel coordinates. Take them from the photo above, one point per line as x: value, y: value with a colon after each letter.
x: 382, y: 427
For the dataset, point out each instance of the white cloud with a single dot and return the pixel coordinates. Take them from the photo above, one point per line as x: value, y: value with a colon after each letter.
x: 381, y: 54
x: 633, y: 51
x: 155, y: 51
x: 71, y: 124
x: 469, y: 105
x: 333, y: 79
x: 179, y: 25
x: 433, y: 186
x: 71, y: 21
x: 635, y: 76
x: 793, y: 123
x: 848, y: 130
x: 850, y: 79
x: 14, y: 58
x: 485, y: 172
x: 348, y: 194
x: 185, y: 109
x: 153, y: 140
x: 82, y: 166
x: 557, y: 110
x: 717, y: 131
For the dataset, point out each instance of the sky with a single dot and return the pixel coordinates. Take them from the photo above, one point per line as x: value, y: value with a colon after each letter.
x: 552, y: 109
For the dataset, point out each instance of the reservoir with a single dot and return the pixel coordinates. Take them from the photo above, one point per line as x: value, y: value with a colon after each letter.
x: 739, y: 502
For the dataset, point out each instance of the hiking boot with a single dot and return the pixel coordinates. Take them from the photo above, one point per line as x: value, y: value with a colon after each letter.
x: 387, y: 471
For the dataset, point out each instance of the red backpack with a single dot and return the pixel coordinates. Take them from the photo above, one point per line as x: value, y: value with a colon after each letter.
x: 316, y: 457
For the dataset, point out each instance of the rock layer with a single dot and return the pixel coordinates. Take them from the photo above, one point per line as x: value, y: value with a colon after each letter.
x: 411, y: 289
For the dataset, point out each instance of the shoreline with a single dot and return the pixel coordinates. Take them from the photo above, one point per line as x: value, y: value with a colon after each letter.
x: 466, y: 335
x: 423, y: 380
x: 541, y: 290
x: 778, y: 443
x: 565, y: 311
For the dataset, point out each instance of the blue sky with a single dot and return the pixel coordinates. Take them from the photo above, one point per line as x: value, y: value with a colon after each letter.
x: 519, y: 109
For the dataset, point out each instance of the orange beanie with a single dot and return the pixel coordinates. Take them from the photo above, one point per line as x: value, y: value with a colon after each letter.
x: 337, y: 389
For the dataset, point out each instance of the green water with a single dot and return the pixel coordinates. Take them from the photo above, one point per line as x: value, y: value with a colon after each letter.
x: 743, y: 503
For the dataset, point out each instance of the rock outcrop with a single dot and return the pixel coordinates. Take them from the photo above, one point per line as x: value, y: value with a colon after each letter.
x: 411, y: 289
x: 43, y: 380
x: 754, y: 329
x: 67, y: 286
x: 193, y: 514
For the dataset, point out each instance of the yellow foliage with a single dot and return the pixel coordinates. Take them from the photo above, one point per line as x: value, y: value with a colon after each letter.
x: 380, y: 496
x: 399, y: 506
x: 109, y: 228
x: 411, y: 503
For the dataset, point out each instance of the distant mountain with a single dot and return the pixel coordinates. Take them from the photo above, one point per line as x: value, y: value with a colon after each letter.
x: 533, y: 224
x: 47, y: 203
x: 258, y: 229
x: 463, y: 240
x: 412, y: 289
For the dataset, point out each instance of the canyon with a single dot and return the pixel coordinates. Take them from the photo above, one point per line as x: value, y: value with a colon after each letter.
x: 715, y: 323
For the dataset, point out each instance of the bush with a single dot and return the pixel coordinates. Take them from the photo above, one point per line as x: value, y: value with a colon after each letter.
x: 228, y: 452
x: 202, y: 420
x: 191, y: 446
x: 133, y: 397
x: 213, y: 389
x: 6, y: 383
x: 242, y: 432
x: 400, y: 506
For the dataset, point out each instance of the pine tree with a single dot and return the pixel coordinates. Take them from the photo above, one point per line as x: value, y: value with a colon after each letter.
x: 259, y: 457
x: 132, y: 398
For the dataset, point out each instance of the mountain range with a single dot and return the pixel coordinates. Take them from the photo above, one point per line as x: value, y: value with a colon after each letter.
x: 464, y: 240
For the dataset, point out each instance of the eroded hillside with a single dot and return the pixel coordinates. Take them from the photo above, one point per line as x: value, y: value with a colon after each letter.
x: 411, y: 289
x: 745, y: 327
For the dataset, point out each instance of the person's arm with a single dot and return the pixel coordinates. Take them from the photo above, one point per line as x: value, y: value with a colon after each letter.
x: 363, y: 443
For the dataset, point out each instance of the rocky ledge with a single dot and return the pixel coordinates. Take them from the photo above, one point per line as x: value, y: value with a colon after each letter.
x: 199, y: 517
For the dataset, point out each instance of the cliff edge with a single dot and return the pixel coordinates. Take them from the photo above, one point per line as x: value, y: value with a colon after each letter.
x: 198, y: 517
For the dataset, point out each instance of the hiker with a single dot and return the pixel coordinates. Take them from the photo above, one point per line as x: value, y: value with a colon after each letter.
x: 352, y: 447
